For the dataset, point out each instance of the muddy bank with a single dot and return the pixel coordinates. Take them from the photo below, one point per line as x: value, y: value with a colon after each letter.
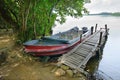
x: 19, y: 66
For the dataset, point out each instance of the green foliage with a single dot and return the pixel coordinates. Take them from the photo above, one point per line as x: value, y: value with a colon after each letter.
x: 116, y: 14
x: 33, y: 18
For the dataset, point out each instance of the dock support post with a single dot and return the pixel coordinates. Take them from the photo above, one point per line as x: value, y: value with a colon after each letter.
x: 96, y: 27
x: 100, y: 39
x: 106, y: 31
x: 98, y: 53
x: 80, y: 37
x: 92, y: 30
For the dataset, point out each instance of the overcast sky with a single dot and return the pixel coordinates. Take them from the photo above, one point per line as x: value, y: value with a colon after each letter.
x: 97, y: 6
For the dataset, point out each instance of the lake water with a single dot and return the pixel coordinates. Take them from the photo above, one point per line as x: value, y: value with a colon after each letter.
x: 110, y: 62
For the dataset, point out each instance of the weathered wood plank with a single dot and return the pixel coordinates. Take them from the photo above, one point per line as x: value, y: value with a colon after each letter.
x: 76, y: 63
x: 79, y: 56
x: 74, y: 58
x: 85, y: 60
x: 70, y: 64
x: 83, y: 50
x: 86, y: 46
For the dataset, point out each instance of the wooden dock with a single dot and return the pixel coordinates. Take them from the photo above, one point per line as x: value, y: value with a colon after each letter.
x: 78, y: 57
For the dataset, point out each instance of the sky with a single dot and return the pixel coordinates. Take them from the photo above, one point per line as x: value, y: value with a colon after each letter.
x: 97, y: 6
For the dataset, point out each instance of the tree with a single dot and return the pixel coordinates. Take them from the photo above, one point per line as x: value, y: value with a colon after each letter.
x: 33, y: 18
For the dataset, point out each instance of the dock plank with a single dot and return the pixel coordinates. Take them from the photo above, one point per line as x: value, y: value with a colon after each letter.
x: 80, y: 55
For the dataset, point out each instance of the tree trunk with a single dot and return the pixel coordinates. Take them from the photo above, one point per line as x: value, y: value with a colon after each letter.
x: 34, y: 25
x: 26, y: 14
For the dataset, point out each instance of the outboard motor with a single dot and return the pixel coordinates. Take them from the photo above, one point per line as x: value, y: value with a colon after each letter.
x: 84, y: 29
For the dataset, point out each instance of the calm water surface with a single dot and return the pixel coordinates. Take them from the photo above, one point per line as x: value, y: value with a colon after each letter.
x: 110, y: 62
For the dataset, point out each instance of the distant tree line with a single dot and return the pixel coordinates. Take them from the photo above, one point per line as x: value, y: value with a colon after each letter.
x: 108, y: 13
x: 116, y: 14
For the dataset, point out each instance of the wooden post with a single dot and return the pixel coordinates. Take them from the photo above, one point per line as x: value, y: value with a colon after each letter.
x: 100, y: 39
x: 80, y: 37
x: 92, y: 30
x: 99, y: 53
x: 96, y: 27
x: 106, y: 29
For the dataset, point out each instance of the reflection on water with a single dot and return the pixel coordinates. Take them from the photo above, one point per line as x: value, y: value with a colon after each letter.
x: 92, y: 65
x: 110, y: 62
x: 93, y: 68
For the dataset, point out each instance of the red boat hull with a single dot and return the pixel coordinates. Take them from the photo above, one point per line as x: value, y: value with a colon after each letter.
x: 49, y: 50
x: 56, y: 52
